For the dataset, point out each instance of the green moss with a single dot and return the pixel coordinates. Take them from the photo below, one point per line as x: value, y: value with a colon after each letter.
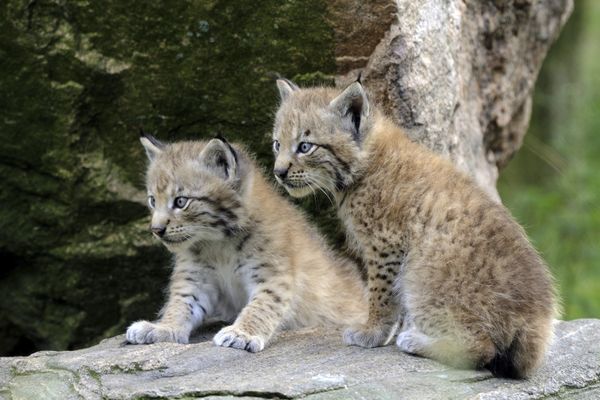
x: 133, y: 367
x: 43, y: 385
x: 95, y: 375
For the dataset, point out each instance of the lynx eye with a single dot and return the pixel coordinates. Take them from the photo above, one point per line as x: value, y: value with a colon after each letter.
x: 180, y: 202
x: 151, y: 201
x: 304, y: 147
x: 276, y: 146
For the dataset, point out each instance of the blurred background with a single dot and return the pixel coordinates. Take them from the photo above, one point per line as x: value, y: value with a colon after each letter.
x: 552, y: 186
x: 78, y: 80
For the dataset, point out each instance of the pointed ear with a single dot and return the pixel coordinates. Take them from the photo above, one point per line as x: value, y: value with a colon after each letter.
x: 220, y: 157
x: 352, y: 105
x: 152, y: 145
x: 286, y: 87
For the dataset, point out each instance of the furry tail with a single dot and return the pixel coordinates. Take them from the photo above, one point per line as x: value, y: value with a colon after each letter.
x: 522, y: 357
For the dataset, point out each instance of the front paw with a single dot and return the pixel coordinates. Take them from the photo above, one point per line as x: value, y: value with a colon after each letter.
x: 413, y: 342
x: 370, y: 335
x: 144, y: 332
x: 231, y: 336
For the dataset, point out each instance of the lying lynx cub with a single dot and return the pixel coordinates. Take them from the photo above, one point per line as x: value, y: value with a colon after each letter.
x: 444, y: 261
x: 241, y: 251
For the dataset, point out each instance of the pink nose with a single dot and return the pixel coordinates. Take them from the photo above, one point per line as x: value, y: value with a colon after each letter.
x: 281, y: 172
x: 158, y: 230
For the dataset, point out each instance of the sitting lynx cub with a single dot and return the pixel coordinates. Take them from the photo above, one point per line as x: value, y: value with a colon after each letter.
x: 444, y: 261
x: 241, y: 251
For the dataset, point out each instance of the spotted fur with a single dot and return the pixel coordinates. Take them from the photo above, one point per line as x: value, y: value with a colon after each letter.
x: 444, y: 261
x: 243, y: 254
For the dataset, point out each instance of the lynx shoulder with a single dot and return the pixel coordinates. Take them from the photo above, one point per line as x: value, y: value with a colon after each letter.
x: 445, y: 263
x: 243, y: 254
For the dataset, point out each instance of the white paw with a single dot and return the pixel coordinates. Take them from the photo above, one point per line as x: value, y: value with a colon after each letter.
x: 144, y: 332
x: 370, y: 336
x: 412, y: 341
x: 231, y: 336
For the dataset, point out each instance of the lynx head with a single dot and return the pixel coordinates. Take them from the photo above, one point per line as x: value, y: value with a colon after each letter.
x: 317, y: 137
x: 194, y: 190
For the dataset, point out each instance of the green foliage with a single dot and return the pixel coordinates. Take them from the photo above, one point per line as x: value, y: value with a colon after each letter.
x: 553, y: 184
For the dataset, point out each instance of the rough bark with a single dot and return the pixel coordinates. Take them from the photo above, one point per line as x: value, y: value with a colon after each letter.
x: 457, y: 75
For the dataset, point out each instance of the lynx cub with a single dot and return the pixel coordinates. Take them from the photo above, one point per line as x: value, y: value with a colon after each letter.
x: 242, y: 253
x: 444, y: 262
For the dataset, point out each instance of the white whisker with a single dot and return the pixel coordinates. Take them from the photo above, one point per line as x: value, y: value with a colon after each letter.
x: 321, y: 187
x: 312, y: 189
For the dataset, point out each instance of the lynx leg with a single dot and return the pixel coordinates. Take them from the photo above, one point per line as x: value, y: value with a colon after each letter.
x: 412, y: 341
x: 191, y: 298
x: 384, y: 313
x: 258, y: 321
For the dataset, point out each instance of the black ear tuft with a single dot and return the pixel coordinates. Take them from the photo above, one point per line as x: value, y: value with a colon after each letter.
x: 152, y: 139
x: 356, y: 112
x: 358, y: 78
x: 152, y: 145
x: 220, y: 157
x: 353, y: 106
x: 229, y: 146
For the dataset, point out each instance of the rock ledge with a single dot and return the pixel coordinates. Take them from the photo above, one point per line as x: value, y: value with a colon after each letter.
x: 307, y: 364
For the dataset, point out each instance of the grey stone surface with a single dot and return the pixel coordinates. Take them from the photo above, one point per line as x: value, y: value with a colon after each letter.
x: 458, y: 75
x: 308, y: 364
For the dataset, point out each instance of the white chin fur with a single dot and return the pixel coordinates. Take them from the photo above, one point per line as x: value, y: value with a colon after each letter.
x: 298, y: 192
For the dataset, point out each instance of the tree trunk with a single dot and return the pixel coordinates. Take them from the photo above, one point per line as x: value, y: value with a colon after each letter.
x: 458, y: 75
